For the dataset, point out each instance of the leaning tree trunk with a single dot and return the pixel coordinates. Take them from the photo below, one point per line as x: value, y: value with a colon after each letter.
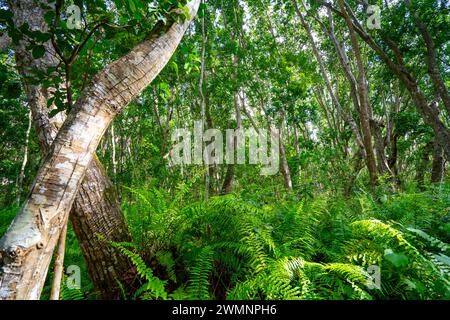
x: 96, y: 210
x: 26, y: 248
x: 437, y: 168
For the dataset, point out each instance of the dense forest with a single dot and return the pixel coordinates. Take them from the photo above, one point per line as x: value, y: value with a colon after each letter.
x: 224, y: 149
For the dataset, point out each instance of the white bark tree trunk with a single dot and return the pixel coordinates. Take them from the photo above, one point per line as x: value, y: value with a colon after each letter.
x: 59, y: 265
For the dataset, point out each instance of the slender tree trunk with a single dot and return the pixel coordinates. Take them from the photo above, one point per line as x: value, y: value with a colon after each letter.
x: 296, y: 143
x: 26, y: 248
x: 284, y: 164
x: 285, y: 167
x: 201, y: 89
x: 363, y: 100
x: 380, y: 148
x: 422, y: 166
x: 164, y: 127
x: 25, y: 159
x: 344, y: 60
x: 247, y: 114
x: 213, y: 169
x: 59, y: 265
x: 391, y: 132
x: 227, y: 186
x: 330, y: 122
x: 285, y: 171
x: 437, y: 169
x: 346, y: 66
x: 297, y: 149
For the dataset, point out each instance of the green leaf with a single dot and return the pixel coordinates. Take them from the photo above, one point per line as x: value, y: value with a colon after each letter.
x: 132, y: 6
x: 399, y: 260
x: 41, y: 36
x: 5, y: 15
x: 50, y: 70
x: 186, y: 14
x: 174, y: 66
x: 202, y: 10
x: 38, y: 52
x: 447, y: 228
x: 48, y: 17
x: 50, y: 101
x: 53, y: 113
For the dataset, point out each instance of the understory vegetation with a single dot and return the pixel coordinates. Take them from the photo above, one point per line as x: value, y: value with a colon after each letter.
x: 281, y: 247
x: 266, y: 248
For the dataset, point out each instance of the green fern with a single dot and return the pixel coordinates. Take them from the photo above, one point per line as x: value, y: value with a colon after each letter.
x: 154, y: 288
x: 198, y: 285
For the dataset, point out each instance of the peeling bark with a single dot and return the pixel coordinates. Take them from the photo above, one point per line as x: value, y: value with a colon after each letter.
x: 113, y: 149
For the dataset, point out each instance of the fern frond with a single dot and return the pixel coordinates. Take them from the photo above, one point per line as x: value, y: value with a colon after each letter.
x: 198, y: 284
x: 154, y: 287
